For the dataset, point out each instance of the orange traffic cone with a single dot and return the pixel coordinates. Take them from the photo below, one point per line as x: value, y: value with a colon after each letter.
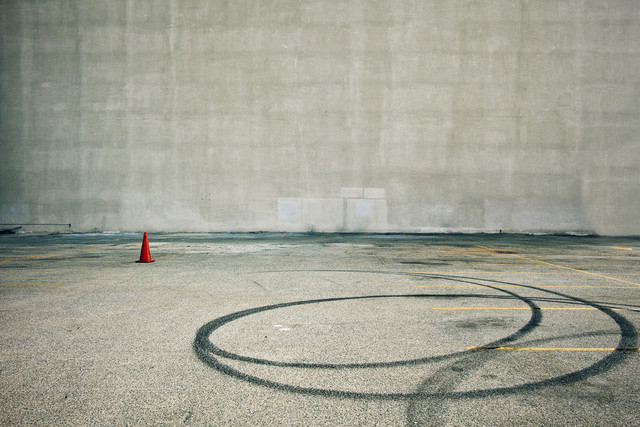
x: 145, y: 256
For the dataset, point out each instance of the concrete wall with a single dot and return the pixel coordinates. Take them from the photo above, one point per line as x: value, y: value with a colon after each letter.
x: 360, y: 115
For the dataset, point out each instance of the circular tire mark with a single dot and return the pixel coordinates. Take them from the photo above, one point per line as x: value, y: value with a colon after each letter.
x: 207, y: 351
x: 204, y: 344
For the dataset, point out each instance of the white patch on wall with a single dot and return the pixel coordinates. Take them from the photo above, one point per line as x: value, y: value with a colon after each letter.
x: 374, y: 193
x: 357, y: 209
x: 363, y: 209
x: 289, y: 210
x: 351, y: 192
x: 15, y: 212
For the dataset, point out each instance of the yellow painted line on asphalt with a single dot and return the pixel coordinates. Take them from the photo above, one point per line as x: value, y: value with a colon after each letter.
x: 512, y: 308
x: 620, y: 248
x: 537, y: 286
x: 529, y: 308
x: 30, y: 284
x: 561, y: 266
x: 555, y: 348
x: 481, y: 272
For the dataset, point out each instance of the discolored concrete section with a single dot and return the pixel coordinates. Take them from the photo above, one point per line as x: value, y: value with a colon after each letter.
x: 321, y: 329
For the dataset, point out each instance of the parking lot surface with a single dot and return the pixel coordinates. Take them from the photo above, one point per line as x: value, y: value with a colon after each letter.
x: 319, y: 329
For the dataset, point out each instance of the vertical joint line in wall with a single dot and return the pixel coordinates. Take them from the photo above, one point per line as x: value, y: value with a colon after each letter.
x: 26, y: 66
x: 128, y: 54
x: 519, y: 94
x: 172, y: 60
x: 77, y: 87
x: 577, y: 71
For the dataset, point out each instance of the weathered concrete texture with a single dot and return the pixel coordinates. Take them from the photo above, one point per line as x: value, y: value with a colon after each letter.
x: 518, y: 115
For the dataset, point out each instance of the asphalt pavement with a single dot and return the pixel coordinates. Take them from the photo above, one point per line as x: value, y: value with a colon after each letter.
x: 319, y: 329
